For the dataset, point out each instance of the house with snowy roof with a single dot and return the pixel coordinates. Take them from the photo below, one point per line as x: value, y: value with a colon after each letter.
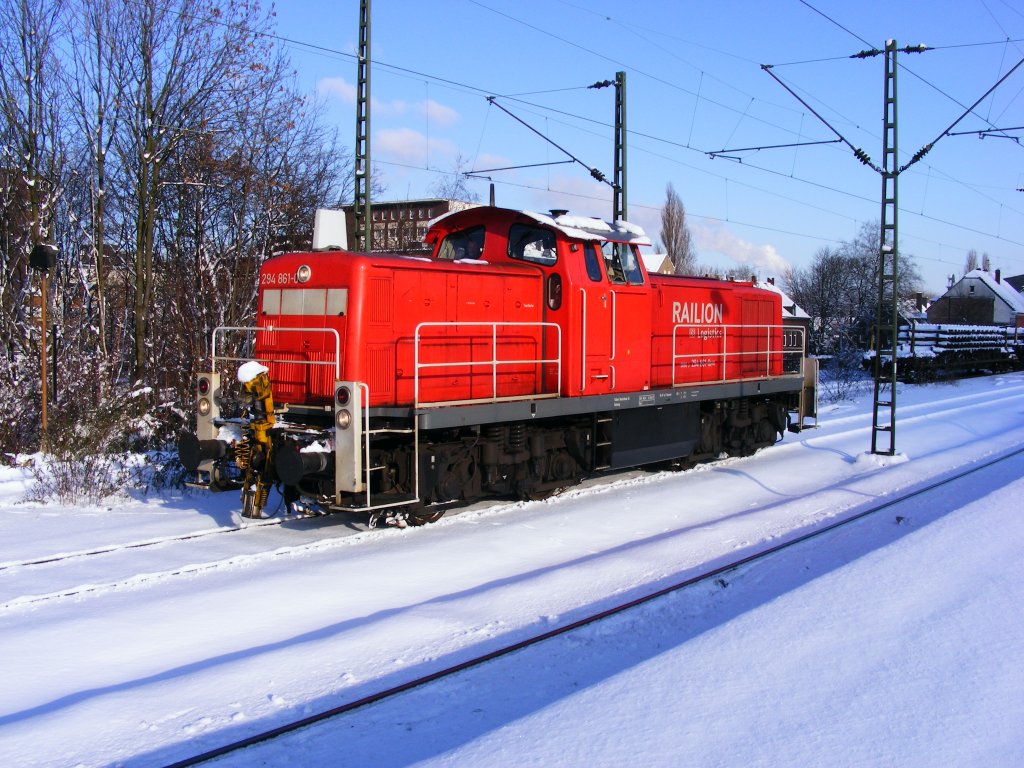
x: 979, y: 298
x: 792, y: 313
x: 657, y: 263
x: 1017, y: 282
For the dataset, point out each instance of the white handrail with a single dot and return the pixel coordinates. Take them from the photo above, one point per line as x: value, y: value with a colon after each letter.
x: 583, y: 341
x: 273, y: 329
x: 709, y: 332
x: 494, y: 362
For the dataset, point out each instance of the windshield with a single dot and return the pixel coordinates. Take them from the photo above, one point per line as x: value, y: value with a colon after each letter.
x: 621, y: 263
x: 467, y: 244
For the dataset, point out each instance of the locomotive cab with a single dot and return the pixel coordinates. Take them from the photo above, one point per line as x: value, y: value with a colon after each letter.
x: 595, y: 286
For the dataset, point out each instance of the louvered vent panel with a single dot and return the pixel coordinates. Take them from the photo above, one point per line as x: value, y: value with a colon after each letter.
x: 380, y: 374
x: 381, y: 302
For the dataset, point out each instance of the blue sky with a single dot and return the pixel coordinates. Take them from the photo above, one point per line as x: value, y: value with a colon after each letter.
x: 694, y: 86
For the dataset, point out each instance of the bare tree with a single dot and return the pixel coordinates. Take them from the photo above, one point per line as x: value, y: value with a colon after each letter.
x: 840, y: 290
x: 181, y: 59
x: 823, y: 291
x: 186, y: 157
x: 862, y: 255
x: 451, y: 185
x: 95, y: 87
x: 31, y: 163
x: 971, y: 263
x: 245, y: 188
x: 675, y: 234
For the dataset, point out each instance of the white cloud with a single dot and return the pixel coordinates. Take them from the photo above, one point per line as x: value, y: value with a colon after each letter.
x: 393, y: 108
x: 437, y: 113
x: 338, y: 88
x: 406, y: 145
x: 712, y: 235
x: 487, y: 160
x: 345, y: 92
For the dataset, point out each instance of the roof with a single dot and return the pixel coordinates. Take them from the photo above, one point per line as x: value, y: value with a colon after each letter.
x: 653, y: 262
x: 1001, y: 290
x: 789, y: 307
x: 1017, y: 282
x: 576, y: 227
x: 588, y: 228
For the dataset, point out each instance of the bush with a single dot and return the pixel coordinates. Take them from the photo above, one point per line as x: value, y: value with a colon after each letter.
x: 88, y: 455
x: 19, y: 403
x: 842, y: 376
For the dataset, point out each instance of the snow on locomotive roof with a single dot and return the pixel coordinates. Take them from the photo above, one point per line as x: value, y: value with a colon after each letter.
x: 577, y: 227
x: 589, y: 228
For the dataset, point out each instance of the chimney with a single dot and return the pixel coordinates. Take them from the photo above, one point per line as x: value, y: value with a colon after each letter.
x: 999, y: 276
x: 919, y: 298
x: 771, y: 281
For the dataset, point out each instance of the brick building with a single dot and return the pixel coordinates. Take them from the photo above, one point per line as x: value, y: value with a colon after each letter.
x: 399, y: 226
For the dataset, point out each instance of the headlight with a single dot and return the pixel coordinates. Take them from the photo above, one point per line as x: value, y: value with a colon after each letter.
x: 204, y: 407
x: 342, y: 395
x: 343, y: 419
x: 203, y: 386
x: 303, y: 273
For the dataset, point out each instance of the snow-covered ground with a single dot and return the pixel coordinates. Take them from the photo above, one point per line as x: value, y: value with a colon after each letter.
x: 892, y: 642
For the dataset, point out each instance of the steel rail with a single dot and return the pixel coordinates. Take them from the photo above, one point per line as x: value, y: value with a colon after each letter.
x: 418, y: 682
x: 107, y: 549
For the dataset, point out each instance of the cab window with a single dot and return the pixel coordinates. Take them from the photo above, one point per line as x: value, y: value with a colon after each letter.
x: 593, y: 265
x: 467, y: 244
x: 621, y: 263
x: 533, y: 244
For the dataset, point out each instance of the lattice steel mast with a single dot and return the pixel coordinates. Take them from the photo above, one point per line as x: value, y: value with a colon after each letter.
x: 363, y: 219
x: 887, y: 320
x: 619, y: 180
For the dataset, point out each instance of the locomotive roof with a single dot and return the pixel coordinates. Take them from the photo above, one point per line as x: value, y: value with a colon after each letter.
x: 576, y: 227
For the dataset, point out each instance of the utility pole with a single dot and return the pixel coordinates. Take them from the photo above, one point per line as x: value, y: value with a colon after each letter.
x: 887, y: 317
x: 361, y: 206
x: 619, y: 178
x: 43, y: 258
x: 883, y: 421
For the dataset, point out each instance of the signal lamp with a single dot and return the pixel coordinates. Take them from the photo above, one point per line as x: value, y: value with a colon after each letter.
x: 343, y: 419
x: 303, y: 273
x: 203, y: 385
x: 204, y: 406
x: 342, y: 395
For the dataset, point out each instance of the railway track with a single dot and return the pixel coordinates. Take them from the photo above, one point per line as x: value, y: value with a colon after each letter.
x: 114, y: 566
x: 680, y: 584
x: 183, y: 555
x: 106, y: 549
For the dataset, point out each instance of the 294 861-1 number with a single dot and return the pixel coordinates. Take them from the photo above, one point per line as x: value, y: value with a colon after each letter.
x: 276, y: 278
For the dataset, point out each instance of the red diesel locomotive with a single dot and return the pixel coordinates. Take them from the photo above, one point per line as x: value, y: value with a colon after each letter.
x: 527, y: 352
